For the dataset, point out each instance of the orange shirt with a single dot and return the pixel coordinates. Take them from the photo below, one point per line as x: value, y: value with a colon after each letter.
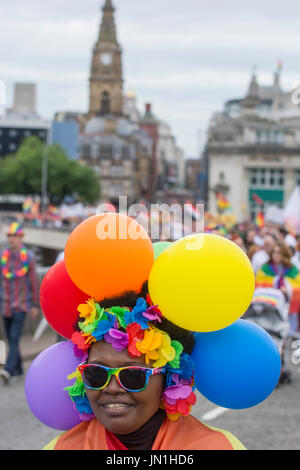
x: 185, y: 434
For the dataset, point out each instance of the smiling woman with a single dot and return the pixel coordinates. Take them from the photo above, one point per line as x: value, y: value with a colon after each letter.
x: 135, y: 388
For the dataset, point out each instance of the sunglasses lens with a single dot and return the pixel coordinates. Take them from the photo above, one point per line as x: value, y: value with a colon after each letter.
x: 95, y: 377
x: 133, y: 379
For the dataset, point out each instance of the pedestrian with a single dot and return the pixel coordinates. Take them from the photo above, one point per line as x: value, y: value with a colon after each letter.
x: 296, y: 256
x: 262, y: 256
x: 281, y: 273
x: 134, y: 390
x: 239, y: 241
x: 18, y: 296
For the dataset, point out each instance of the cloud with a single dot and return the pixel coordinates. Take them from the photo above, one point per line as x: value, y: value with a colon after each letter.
x: 186, y: 58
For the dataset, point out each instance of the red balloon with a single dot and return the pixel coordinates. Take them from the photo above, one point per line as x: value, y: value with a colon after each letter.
x: 59, y: 299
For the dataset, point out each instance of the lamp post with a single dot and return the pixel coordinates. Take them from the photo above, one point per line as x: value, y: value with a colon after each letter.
x: 44, y: 184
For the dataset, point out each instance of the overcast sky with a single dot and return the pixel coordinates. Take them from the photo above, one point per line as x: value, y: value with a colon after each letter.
x: 185, y: 57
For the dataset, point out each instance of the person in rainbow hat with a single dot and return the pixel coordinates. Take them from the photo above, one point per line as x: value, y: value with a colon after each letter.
x: 134, y: 389
x: 125, y: 379
x: 134, y: 383
x: 18, y: 295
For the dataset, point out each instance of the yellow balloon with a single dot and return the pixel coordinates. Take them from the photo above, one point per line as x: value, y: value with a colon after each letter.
x: 202, y: 282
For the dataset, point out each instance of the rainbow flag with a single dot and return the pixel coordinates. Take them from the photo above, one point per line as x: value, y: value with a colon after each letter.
x: 266, y: 299
x: 265, y: 277
x: 257, y: 199
x: 222, y: 203
x: 27, y: 205
x: 260, y: 220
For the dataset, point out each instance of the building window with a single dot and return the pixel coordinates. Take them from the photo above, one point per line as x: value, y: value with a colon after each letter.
x: 12, y: 147
x: 95, y: 151
x: 97, y: 170
x: 116, y: 170
x: 115, y: 190
x: 266, y: 178
x: 297, y: 177
x: 266, y: 187
x: 274, y: 137
x: 105, y: 103
x: 86, y: 151
x: 106, y: 151
x: 125, y: 152
x: 12, y: 133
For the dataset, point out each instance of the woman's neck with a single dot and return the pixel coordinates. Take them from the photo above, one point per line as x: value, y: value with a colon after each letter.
x: 143, y: 438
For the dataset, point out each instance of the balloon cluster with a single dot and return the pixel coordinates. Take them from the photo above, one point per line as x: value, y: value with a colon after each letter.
x: 202, y: 282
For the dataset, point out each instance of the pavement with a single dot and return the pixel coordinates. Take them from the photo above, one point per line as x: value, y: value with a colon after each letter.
x: 19, y: 428
x: 31, y: 348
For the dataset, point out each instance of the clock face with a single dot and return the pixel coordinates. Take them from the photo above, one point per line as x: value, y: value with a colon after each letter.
x: 106, y: 58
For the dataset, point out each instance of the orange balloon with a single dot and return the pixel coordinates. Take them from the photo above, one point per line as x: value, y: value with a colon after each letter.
x: 108, y: 254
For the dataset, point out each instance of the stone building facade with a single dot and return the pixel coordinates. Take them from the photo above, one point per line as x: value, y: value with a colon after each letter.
x: 109, y: 141
x: 106, y: 75
x: 253, y: 149
x: 133, y: 155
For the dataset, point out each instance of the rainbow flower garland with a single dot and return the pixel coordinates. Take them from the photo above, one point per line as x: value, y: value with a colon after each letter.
x: 20, y: 272
x: 134, y: 329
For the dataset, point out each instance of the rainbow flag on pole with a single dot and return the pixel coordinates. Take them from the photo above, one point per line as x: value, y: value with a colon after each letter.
x: 260, y: 220
x: 27, y: 205
x: 222, y: 203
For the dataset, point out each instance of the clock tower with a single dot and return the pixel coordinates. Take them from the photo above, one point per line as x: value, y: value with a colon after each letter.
x: 106, y: 77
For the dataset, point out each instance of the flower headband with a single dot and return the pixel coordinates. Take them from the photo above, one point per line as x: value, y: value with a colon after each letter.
x: 136, y: 330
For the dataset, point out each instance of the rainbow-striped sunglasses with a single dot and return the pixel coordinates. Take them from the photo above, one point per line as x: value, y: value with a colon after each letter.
x: 130, y: 378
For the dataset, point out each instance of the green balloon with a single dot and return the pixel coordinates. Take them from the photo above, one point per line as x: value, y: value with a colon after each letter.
x: 159, y: 247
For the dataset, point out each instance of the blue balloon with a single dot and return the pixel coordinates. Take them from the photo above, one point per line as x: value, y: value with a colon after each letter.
x: 237, y: 367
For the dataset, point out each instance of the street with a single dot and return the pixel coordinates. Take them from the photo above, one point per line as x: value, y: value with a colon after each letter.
x: 272, y: 425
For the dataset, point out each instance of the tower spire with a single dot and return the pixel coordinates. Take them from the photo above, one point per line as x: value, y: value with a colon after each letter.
x: 106, y: 78
x: 108, y: 5
x: 253, y: 86
x: 251, y: 100
x: 277, y: 75
x: 108, y: 28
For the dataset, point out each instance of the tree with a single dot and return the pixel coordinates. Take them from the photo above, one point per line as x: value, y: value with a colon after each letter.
x: 21, y: 173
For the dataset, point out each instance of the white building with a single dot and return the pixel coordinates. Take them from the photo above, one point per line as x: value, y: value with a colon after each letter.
x: 253, y: 150
x: 171, y: 166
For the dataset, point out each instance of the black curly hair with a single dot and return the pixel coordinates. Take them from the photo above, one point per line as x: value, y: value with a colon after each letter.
x: 129, y: 298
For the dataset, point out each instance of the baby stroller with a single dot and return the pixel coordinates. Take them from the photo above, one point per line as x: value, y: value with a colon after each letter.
x: 270, y: 310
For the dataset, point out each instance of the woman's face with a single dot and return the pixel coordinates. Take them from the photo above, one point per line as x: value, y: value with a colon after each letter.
x: 136, y: 408
x: 277, y: 255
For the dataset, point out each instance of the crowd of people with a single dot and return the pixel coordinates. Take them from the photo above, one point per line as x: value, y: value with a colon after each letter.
x: 273, y: 251
x: 275, y: 256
